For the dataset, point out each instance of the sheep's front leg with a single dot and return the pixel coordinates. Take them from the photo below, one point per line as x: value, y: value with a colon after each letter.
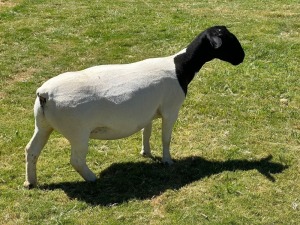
x: 79, y: 150
x: 167, y: 127
x: 146, y: 151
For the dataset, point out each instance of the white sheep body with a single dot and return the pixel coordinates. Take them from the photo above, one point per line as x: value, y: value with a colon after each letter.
x: 111, y: 101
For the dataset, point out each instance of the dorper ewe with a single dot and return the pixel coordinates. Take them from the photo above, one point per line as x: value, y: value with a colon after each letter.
x: 116, y: 101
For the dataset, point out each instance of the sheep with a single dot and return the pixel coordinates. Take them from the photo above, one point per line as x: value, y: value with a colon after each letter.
x: 115, y: 101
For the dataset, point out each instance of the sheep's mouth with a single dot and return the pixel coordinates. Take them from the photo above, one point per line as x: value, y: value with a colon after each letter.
x: 237, y: 62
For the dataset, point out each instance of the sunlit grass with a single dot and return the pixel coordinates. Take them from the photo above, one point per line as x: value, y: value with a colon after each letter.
x: 233, y: 119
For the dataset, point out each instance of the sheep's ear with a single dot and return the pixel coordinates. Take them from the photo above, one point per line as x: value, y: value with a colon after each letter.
x: 215, y: 42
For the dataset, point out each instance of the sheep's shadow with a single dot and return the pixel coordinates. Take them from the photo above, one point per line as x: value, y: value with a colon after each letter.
x: 122, y: 182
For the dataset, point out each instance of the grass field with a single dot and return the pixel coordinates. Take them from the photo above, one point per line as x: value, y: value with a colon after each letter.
x: 237, y: 140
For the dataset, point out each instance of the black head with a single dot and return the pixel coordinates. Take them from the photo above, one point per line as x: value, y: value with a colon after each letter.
x: 224, y: 45
x: 215, y: 42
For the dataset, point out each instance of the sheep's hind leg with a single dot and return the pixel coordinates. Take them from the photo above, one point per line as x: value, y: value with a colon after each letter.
x: 146, y: 151
x: 32, y: 152
x: 79, y: 150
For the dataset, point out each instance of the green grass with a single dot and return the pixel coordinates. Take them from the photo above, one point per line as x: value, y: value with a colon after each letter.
x: 236, y: 145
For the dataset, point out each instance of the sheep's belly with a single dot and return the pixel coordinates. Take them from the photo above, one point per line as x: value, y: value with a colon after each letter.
x: 106, y: 133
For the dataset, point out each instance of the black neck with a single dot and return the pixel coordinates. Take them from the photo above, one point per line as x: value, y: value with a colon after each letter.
x: 189, y: 63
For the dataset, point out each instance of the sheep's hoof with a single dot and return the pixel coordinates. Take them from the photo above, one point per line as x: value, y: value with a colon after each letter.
x: 28, y: 185
x: 91, y: 179
x: 146, y: 154
x: 168, y: 162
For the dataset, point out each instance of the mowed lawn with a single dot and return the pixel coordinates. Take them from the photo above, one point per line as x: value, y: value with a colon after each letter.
x: 236, y: 144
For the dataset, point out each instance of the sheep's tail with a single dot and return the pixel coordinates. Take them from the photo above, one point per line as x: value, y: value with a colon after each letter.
x: 43, y: 101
